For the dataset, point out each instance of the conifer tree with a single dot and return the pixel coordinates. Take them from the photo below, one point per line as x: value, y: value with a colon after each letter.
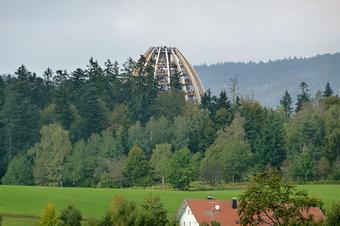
x: 223, y: 101
x: 328, y: 91
x: 92, y: 111
x: 269, y: 145
x: 286, y: 103
x: 303, y: 97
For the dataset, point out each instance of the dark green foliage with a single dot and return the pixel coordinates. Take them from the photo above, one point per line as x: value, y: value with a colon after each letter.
x: 19, y: 117
x: 211, y: 170
x: 269, y: 195
x: 181, y: 169
x: 168, y: 105
x: 254, y: 116
x: 328, y: 91
x: 126, y: 213
x: 105, y: 111
x: 123, y: 213
x: 70, y: 216
x: 136, y: 170
x: 200, y: 130
x: 333, y: 217
x: 286, y: 103
x: 92, y: 110
x: 231, y: 150
x: 152, y: 213
x: 269, y: 146
x: 304, y: 167
x: 303, y: 97
x: 19, y: 171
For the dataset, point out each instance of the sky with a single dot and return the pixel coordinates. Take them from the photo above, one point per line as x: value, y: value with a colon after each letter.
x: 64, y: 34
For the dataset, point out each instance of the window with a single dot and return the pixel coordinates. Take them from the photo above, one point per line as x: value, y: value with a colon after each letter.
x: 188, y: 211
x: 189, y: 223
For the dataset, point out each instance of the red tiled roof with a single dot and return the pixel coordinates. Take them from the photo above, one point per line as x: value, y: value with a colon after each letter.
x: 205, y: 211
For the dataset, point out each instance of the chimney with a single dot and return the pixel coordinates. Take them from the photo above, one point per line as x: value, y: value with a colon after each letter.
x: 210, y: 197
x: 234, y: 203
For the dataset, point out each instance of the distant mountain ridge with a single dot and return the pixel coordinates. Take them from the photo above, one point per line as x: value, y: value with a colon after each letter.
x: 268, y: 81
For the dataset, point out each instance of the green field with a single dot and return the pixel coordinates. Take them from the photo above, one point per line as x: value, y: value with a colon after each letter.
x: 94, y: 202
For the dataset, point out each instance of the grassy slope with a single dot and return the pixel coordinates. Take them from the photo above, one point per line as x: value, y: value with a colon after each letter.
x: 95, y: 202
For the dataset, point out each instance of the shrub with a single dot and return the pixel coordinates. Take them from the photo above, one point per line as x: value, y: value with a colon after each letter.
x: 333, y: 218
x: 70, y: 216
x: 49, y: 216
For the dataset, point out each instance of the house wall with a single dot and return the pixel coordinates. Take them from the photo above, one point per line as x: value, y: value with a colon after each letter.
x: 187, y: 218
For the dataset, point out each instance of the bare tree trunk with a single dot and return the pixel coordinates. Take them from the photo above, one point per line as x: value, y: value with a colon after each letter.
x: 163, y: 180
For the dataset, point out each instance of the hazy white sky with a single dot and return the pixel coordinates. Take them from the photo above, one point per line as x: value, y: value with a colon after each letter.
x: 64, y: 34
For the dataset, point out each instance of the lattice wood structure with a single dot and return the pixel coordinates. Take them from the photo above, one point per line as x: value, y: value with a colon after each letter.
x: 169, y: 61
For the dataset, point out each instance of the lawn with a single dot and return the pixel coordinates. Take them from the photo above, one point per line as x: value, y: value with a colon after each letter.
x: 94, y: 202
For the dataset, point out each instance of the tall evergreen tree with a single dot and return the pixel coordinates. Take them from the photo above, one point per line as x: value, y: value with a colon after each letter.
x: 20, y: 120
x: 2, y: 92
x: 328, y: 91
x: 254, y: 116
x: 286, y: 103
x: 303, y: 97
x: 223, y: 101
x: 206, y: 99
x: 269, y: 147
x: 92, y: 110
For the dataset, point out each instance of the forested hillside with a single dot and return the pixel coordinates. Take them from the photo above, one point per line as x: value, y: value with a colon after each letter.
x: 267, y: 81
x: 105, y: 127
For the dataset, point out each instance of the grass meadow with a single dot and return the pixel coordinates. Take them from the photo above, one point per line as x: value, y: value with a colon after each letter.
x: 22, y: 205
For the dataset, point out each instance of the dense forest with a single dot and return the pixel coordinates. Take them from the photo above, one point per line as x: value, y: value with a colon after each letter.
x: 103, y: 126
x: 266, y: 81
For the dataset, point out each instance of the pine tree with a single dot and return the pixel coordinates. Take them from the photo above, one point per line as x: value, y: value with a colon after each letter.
x: 206, y: 100
x: 223, y: 101
x: 2, y: 92
x: 303, y: 97
x: 20, y: 126
x: 269, y: 147
x: 286, y: 103
x: 328, y: 91
x: 48, y: 85
x: 92, y: 111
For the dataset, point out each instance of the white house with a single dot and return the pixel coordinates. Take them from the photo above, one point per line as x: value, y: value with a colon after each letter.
x: 195, y: 212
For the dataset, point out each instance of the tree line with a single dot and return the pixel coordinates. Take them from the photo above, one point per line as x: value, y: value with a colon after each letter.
x: 111, y: 126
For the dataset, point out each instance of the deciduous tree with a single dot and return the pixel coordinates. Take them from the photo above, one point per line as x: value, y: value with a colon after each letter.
x: 269, y: 200
x: 160, y: 160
